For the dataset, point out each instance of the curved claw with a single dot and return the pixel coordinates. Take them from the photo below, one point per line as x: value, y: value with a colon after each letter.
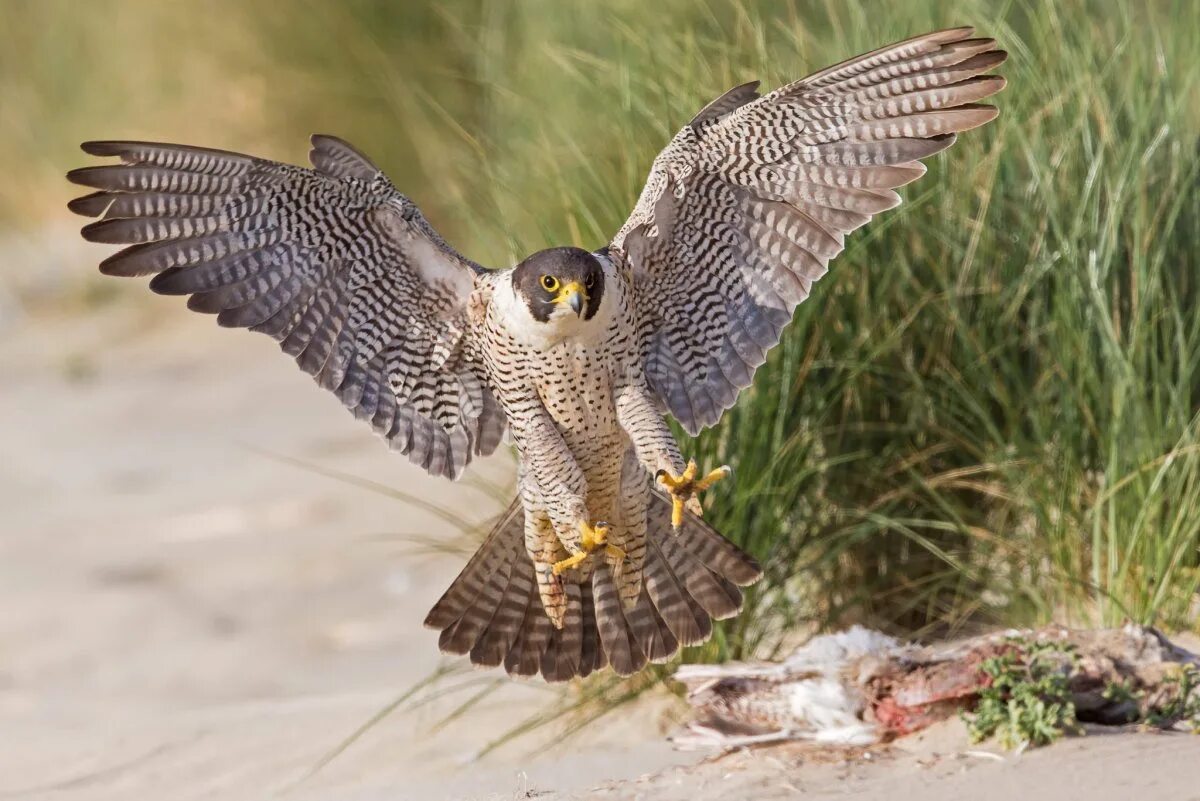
x: 683, y: 488
x: 592, y: 538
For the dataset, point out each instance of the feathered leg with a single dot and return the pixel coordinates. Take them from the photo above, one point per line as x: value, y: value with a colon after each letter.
x: 659, y: 454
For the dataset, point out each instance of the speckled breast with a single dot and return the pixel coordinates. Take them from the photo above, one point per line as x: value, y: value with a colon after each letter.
x: 576, y: 387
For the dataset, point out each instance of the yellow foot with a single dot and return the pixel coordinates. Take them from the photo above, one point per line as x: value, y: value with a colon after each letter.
x: 568, y: 563
x: 683, y: 489
x: 592, y: 538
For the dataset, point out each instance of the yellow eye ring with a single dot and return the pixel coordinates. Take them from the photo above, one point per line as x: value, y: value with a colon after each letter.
x: 549, y: 283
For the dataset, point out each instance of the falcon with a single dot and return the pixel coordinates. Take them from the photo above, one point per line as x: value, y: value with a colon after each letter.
x: 603, y: 558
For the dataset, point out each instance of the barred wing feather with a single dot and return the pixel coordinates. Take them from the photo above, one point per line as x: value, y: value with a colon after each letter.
x: 333, y: 263
x: 749, y: 203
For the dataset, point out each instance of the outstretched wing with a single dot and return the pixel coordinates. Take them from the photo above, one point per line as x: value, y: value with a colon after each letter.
x: 334, y: 263
x: 743, y: 211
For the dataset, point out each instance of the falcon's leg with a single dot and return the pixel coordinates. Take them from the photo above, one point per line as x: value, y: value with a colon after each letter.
x: 544, y: 549
x: 552, y: 477
x: 659, y: 454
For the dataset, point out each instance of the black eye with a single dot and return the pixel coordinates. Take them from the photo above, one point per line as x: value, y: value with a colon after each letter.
x: 549, y: 283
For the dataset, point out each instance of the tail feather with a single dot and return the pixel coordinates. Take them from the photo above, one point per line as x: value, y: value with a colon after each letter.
x: 497, y: 639
x: 688, y: 622
x: 718, y: 554
x: 494, y: 612
x: 525, y: 656
x: 461, y: 636
x: 625, y: 656
x: 719, y: 599
x: 563, y: 654
x: 470, y: 581
x: 592, y: 656
x: 647, y: 626
x: 654, y: 636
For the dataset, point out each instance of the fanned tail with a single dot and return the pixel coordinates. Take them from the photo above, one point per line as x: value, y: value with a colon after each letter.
x: 493, y: 612
x: 690, y: 578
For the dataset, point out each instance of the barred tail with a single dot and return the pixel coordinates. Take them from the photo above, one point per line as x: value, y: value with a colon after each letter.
x: 493, y: 611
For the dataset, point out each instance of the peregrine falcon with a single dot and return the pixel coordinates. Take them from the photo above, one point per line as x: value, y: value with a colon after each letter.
x: 603, y: 559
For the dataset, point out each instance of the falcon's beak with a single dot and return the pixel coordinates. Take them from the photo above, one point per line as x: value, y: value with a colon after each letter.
x: 574, y: 295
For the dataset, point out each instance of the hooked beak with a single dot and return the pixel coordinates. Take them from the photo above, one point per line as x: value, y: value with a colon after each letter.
x: 573, y: 295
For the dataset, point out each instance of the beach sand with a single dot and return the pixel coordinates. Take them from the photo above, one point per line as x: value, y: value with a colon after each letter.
x: 184, y: 616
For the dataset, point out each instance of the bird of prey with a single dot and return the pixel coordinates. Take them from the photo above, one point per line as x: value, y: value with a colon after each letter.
x: 602, y: 559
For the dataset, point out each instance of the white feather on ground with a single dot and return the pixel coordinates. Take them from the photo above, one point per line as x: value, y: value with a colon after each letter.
x: 808, y: 696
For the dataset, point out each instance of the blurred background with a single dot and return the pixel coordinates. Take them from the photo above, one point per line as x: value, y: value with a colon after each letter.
x: 985, y: 416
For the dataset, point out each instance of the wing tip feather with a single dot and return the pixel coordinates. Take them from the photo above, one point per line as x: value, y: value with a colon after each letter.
x: 81, y: 175
x: 335, y: 156
x: 93, y: 205
x: 955, y: 34
x: 998, y: 81
x: 100, y: 147
x: 974, y: 115
x: 102, y: 233
x: 122, y: 265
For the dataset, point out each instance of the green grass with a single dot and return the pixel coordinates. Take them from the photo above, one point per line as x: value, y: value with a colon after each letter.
x: 987, y: 412
x: 988, y: 415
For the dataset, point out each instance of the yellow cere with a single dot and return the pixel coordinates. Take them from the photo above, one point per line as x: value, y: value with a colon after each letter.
x: 569, y: 289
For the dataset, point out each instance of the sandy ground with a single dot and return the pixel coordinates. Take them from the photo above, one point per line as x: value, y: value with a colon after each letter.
x: 937, y: 765
x: 184, y: 617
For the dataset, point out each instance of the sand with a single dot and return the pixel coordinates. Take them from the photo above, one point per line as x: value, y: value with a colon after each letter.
x: 183, y: 616
x: 938, y: 765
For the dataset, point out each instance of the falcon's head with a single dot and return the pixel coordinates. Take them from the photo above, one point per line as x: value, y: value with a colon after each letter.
x: 563, y: 288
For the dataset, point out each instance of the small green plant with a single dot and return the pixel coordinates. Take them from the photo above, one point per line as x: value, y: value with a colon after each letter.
x: 1180, y: 701
x: 1028, y: 702
x: 1126, y: 702
x: 1121, y: 692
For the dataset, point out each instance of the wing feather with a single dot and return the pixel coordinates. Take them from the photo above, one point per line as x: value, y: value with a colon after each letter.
x: 747, y: 206
x: 333, y: 263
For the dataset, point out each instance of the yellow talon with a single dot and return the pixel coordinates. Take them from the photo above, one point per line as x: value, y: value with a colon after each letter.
x: 713, y: 477
x: 568, y: 563
x: 592, y: 538
x: 684, y: 487
x: 677, y: 482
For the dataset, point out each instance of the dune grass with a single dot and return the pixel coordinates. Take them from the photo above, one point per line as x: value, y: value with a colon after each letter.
x: 987, y: 412
x: 988, y: 415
